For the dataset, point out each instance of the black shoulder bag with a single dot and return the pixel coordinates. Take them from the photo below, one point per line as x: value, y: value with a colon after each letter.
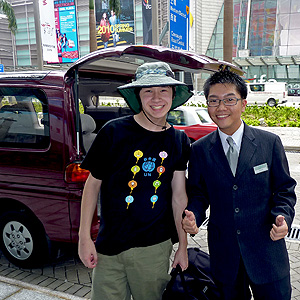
x: 195, y: 283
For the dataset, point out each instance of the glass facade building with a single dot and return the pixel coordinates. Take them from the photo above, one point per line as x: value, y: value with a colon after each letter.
x: 266, y: 39
x: 19, y: 52
x: 266, y: 35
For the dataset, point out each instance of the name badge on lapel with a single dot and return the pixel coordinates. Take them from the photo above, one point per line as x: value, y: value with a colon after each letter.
x: 260, y: 168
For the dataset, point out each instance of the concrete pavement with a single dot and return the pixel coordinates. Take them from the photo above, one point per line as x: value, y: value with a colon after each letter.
x: 290, y: 136
x: 66, y: 278
x: 15, y: 290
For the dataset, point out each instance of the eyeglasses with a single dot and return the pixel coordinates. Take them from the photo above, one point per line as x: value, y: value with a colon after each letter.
x: 230, y: 101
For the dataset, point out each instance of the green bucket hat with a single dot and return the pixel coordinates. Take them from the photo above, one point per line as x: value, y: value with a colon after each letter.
x: 154, y: 74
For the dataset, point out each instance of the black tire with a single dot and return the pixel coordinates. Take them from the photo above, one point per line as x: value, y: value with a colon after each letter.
x: 23, y: 240
x: 271, y: 102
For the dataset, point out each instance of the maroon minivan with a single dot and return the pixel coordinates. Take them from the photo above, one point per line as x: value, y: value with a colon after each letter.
x: 46, y: 129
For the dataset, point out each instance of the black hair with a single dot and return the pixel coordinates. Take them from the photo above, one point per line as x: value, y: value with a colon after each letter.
x: 226, y: 77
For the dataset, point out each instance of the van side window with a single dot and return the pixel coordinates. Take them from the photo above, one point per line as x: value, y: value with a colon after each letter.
x: 24, y: 118
x: 257, y: 87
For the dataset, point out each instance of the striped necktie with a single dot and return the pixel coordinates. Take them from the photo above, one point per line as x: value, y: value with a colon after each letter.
x: 232, y: 155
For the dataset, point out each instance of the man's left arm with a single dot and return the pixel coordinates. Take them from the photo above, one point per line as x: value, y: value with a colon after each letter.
x: 283, y: 189
x: 179, y: 203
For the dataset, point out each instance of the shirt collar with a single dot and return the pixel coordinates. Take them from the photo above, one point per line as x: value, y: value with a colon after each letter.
x: 237, y: 138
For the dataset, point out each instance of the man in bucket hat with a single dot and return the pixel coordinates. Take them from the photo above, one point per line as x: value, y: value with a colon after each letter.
x: 139, y: 162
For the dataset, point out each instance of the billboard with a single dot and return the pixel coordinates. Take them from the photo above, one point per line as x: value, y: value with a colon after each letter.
x: 114, y: 28
x: 147, y: 22
x: 48, y: 37
x: 66, y: 30
x: 179, y: 24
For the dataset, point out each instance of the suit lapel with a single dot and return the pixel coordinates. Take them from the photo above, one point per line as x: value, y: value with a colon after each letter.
x: 248, y: 148
x: 218, y: 155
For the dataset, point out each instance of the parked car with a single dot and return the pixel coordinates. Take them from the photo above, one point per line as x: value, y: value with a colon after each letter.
x: 43, y: 139
x: 194, y: 121
x: 294, y: 92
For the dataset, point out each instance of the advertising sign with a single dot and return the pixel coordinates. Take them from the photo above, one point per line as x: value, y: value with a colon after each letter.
x: 114, y: 27
x: 66, y: 30
x: 179, y: 24
x: 48, y: 37
x: 147, y: 22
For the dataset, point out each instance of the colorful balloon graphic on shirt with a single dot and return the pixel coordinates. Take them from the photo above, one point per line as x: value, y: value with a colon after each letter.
x: 129, y: 199
x: 156, y: 184
x: 153, y: 199
x: 132, y: 184
x: 138, y: 154
x: 163, y: 156
x: 135, y: 169
x: 148, y: 166
x: 160, y: 170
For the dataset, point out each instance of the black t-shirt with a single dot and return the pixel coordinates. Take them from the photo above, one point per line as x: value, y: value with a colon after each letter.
x: 136, y: 167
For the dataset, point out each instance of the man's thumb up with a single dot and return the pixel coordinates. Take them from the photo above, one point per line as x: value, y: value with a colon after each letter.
x: 279, y: 220
x: 189, y: 223
x: 190, y: 215
x: 279, y: 229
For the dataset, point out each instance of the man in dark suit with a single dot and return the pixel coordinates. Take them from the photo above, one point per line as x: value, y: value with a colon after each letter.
x: 251, y: 197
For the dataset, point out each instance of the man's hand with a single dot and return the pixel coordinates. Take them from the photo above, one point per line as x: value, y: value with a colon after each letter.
x: 280, y: 229
x: 181, y: 258
x: 87, y: 252
x: 189, y: 223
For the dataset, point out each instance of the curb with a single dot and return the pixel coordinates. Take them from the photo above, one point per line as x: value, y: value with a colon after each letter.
x: 38, y: 289
x: 292, y: 148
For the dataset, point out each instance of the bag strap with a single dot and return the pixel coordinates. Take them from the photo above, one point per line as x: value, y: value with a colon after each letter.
x: 179, y: 271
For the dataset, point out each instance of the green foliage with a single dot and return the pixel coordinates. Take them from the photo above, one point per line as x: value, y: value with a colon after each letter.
x: 7, y: 9
x: 115, y: 5
x: 254, y: 115
x: 91, y: 4
x: 279, y: 116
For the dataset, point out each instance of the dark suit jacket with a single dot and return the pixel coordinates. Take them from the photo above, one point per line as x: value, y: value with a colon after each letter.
x: 243, y: 208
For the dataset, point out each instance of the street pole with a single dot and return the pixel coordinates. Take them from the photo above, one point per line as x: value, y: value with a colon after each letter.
x: 36, y: 13
x: 13, y: 39
x: 155, y: 35
x: 228, y: 31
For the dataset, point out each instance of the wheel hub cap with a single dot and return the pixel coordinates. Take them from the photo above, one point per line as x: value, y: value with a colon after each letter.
x: 17, y: 240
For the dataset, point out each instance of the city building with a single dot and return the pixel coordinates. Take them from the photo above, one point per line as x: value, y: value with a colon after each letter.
x: 265, y: 35
x: 266, y: 39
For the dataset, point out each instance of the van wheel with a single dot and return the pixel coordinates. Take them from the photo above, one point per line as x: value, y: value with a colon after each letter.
x: 23, y: 241
x: 271, y: 102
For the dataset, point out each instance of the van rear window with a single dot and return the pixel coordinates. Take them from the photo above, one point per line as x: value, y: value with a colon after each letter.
x: 24, y: 118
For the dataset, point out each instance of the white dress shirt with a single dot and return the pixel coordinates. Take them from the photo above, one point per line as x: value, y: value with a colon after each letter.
x: 237, y: 138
